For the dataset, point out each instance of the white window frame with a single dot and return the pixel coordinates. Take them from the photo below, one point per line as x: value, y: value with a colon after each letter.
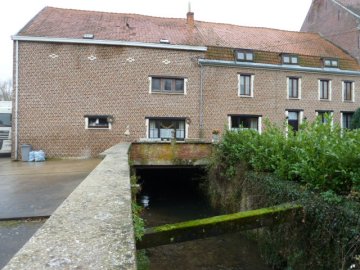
x: 172, y: 92
x: 341, y: 118
x: 300, y: 118
x: 96, y: 128
x: 259, y: 130
x: 291, y: 59
x: 330, y: 90
x: 252, y: 79
x: 331, y: 113
x: 147, y: 125
x: 331, y: 62
x: 248, y: 56
x: 288, y: 85
x: 352, y: 91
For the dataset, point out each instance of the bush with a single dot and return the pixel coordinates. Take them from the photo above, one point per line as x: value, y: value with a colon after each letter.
x: 318, y: 167
x: 327, y: 236
x: 355, y: 121
x: 320, y: 156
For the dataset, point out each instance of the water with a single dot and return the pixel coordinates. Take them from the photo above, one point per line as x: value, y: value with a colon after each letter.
x: 173, y: 196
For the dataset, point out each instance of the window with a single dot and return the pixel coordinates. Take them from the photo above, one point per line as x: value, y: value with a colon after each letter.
x: 167, y: 85
x: 294, y: 87
x: 324, y: 89
x: 330, y: 62
x: 293, y: 119
x: 98, y: 121
x: 5, y: 120
x: 348, y: 91
x: 246, y: 85
x: 244, y: 55
x: 346, y: 118
x: 167, y: 129
x: 324, y: 116
x: 244, y: 122
x: 290, y: 59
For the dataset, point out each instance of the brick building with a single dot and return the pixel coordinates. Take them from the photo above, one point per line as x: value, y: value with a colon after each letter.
x: 86, y: 80
x: 337, y: 21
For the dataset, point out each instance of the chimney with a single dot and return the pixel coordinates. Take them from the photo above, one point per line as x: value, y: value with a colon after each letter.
x: 190, y: 16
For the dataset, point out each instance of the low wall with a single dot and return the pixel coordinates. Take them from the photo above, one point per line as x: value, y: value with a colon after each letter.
x: 165, y: 153
x: 92, y: 228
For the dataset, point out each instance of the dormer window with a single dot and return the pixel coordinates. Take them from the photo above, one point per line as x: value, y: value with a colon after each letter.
x: 331, y: 62
x: 289, y: 59
x: 244, y: 56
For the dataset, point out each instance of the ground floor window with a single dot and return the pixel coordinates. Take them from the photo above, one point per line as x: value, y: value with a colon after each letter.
x: 324, y: 116
x: 237, y: 122
x: 293, y: 119
x: 98, y: 121
x: 346, y: 118
x: 167, y: 128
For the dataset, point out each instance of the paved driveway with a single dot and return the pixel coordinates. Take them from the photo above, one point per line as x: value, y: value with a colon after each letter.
x: 37, y: 188
x: 30, y: 189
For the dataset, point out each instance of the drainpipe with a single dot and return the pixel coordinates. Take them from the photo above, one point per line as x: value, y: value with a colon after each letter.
x: 201, y: 103
x: 16, y: 98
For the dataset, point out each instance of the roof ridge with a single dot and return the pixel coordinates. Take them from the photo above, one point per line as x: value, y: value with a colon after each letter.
x: 117, y: 13
x: 176, y: 18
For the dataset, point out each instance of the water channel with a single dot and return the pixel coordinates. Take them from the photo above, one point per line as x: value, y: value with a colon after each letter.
x: 175, y: 195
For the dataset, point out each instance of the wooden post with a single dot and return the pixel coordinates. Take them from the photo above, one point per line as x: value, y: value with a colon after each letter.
x: 217, y: 225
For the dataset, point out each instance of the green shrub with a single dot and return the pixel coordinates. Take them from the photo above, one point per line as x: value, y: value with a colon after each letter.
x: 320, y: 156
x: 318, y: 166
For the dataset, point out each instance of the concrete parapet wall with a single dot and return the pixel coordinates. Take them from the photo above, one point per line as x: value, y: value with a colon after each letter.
x: 93, y: 227
x: 170, y: 153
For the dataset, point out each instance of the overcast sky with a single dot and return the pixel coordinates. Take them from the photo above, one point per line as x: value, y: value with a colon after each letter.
x: 280, y: 14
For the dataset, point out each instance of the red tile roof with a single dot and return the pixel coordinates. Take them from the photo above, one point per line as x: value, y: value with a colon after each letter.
x: 66, y: 23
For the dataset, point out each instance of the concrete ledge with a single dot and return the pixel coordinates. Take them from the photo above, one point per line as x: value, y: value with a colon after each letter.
x: 93, y: 227
x: 170, y: 154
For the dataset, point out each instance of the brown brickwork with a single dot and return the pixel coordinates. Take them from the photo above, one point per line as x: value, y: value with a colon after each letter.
x: 270, y: 96
x: 335, y: 23
x: 55, y: 94
x: 58, y: 85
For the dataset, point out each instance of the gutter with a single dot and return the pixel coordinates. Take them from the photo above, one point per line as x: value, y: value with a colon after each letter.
x: 222, y: 63
x: 16, y: 136
x: 201, y: 102
x: 110, y: 42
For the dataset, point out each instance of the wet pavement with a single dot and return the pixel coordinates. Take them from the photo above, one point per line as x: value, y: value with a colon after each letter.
x: 32, y: 189
x: 13, y: 235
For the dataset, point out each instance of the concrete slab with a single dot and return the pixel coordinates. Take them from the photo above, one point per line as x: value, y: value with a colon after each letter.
x: 37, y: 188
x: 13, y: 235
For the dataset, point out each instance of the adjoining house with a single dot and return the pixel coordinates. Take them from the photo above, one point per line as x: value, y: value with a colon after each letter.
x: 86, y: 80
x: 337, y: 21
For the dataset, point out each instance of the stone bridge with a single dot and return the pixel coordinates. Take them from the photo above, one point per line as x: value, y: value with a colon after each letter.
x: 93, y: 228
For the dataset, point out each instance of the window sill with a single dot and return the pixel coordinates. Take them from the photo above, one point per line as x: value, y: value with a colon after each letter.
x: 91, y: 128
x: 148, y: 140
x: 245, y: 96
x: 294, y: 98
x: 170, y: 93
x: 348, y: 101
x: 324, y: 100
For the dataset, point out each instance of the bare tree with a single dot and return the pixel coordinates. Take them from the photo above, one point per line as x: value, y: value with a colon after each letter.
x: 5, y: 90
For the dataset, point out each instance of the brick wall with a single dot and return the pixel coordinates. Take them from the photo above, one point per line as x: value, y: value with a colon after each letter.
x: 335, y: 24
x: 270, y: 95
x: 59, y: 84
